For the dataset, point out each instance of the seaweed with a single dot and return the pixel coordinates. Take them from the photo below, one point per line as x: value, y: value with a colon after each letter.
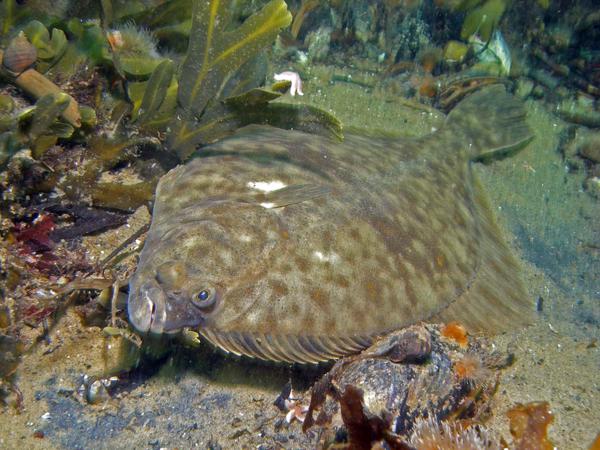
x: 529, y: 426
x: 155, y: 97
x: 211, y: 94
x: 213, y: 55
x: 50, y: 46
x: 482, y: 19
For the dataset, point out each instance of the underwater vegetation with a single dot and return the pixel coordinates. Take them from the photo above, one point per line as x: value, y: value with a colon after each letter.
x: 154, y: 99
x: 83, y: 98
x: 99, y: 99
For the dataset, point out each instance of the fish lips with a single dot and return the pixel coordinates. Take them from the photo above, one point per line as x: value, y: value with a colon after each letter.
x: 152, y: 310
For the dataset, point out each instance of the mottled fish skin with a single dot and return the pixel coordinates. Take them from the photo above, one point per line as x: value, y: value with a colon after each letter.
x: 354, y: 239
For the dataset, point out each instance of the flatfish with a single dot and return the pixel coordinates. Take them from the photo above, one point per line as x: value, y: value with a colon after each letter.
x: 286, y: 246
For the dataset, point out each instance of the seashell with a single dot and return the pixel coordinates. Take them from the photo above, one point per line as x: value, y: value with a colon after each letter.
x: 19, y: 55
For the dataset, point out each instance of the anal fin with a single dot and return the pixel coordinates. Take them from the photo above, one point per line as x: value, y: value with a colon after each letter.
x: 285, y: 348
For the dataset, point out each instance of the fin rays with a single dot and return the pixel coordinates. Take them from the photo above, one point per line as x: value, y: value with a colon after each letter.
x: 286, y: 348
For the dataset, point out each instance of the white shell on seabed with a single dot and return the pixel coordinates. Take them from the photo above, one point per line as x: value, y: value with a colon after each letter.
x: 496, y: 50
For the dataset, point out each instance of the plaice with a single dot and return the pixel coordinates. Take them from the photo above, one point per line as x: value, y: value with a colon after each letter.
x: 290, y: 247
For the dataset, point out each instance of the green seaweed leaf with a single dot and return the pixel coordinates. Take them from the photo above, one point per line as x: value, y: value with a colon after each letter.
x: 50, y: 47
x: 253, y: 97
x: 47, y: 109
x: 254, y: 107
x: 307, y: 118
x: 214, y: 53
x: 483, y: 19
x: 156, y: 91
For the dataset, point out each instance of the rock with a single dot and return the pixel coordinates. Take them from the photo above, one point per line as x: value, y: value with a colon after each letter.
x: 407, y: 376
x: 590, y: 148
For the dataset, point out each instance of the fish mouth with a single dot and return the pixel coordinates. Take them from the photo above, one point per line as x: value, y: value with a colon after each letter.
x: 152, y: 310
x: 146, y: 309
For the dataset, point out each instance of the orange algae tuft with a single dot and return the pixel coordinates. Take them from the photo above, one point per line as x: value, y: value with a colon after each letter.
x: 456, y: 332
x: 470, y: 367
x: 529, y: 426
x: 428, y: 87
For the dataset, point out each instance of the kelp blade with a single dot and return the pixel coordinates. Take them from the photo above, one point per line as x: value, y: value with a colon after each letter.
x: 214, y: 54
x: 156, y: 90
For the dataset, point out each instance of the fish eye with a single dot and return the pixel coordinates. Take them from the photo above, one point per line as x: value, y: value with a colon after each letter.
x: 204, y: 298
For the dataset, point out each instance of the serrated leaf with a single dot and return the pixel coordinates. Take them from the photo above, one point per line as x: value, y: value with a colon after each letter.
x: 156, y: 90
x: 214, y: 54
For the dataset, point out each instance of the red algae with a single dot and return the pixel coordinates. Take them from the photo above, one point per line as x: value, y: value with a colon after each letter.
x: 529, y: 426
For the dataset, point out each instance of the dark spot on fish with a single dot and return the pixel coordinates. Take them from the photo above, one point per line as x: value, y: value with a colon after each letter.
x: 320, y: 298
x: 372, y: 288
x: 330, y: 325
x: 355, y: 235
x: 302, y: 263
x: 350, y: 256
x: 341, y: 281
x: 279, y: 289
x: 440, y: 261
x: 383, y: 262
x: 388, y: 231
x: 357, y: 315
x: 327, y: 239
x: 410, y: 293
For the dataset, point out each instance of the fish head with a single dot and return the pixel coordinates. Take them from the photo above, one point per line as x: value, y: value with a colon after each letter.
x: 202, y: 267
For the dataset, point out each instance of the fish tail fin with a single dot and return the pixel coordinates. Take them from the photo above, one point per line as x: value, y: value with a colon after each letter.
x: 492, y: 123
x: 496, y: 299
